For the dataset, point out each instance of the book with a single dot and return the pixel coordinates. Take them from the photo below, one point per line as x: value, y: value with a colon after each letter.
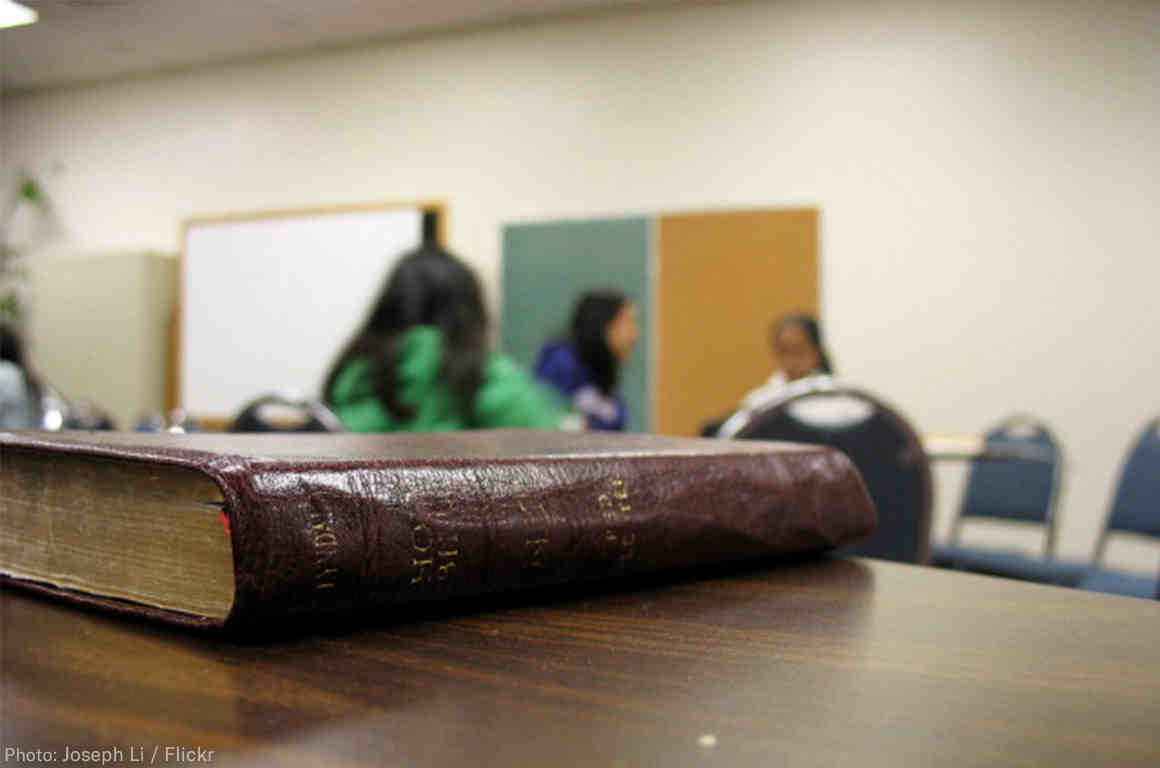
x: 246, y: 532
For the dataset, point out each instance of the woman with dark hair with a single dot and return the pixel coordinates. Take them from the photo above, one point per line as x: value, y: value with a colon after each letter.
x: 421, y: 362
x: 796, y: 341
x: 586, y: 367
x: 802, y: 362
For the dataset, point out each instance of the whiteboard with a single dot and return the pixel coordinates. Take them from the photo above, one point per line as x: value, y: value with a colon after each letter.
x: 267, y: 303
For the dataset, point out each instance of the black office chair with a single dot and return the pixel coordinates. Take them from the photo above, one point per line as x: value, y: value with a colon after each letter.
x: 281, y: 413
x: 884, y: 448
x: 56, y: 412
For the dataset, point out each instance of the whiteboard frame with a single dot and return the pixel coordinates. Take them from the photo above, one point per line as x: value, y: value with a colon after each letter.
x: 174, y: 397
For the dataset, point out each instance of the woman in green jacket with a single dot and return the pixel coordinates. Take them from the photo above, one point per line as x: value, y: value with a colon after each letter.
x: 420, y: 362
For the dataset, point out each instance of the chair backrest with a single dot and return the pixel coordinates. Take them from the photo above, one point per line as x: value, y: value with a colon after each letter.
x: 280, y: 413
x: 1011, y: 488
x: 1136, y: 508
x: 880, y: 443
x: 1136, y: 505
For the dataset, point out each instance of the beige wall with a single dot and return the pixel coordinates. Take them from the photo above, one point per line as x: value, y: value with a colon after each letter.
x: 988, y: 174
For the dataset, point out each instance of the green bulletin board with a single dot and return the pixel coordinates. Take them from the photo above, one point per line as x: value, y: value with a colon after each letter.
x: 547, y: 266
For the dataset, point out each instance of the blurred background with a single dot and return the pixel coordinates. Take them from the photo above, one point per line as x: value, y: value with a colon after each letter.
x: 977, y: 184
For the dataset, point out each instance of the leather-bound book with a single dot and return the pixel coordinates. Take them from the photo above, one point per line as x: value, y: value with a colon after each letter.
x: 249, y: 532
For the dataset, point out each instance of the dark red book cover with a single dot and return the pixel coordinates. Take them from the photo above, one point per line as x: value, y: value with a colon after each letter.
x: 324, y: 525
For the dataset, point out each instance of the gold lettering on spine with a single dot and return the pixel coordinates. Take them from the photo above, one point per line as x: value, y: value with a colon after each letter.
x: 536, y: 540
x: 325, y: 543
x: 435, y: 552
x: 615, y: 509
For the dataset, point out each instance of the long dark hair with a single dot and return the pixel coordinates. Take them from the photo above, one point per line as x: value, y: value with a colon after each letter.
x: 590, y: 320
x: 431, y: 287
x: 809, y: 324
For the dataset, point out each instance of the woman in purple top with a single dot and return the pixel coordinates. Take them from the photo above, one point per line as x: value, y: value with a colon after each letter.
x: 586, y: 367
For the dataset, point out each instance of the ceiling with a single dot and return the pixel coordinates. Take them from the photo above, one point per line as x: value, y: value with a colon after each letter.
x: 83, y: 40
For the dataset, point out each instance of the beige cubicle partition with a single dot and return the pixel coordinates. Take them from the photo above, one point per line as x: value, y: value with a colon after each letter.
x: 98, y: 328
x: 722, y: 279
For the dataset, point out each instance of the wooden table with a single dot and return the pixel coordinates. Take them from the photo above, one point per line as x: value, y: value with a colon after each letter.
x: 826, y: 663
x: 955, y: 447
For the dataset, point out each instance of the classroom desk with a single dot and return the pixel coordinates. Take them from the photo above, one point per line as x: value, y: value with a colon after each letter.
x: 824, y: 663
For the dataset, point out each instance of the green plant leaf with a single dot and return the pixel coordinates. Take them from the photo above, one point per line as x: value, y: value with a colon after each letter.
x: 30, y: 191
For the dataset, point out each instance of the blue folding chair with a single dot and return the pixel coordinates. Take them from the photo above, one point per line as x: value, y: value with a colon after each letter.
x: 1135, y: 510
x: 1018, y: 479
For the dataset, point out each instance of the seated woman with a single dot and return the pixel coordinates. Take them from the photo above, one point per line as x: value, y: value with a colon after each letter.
x: 802, y: 362
x: 421, y: 362
x: 19, y: 389
x: 586, y: 367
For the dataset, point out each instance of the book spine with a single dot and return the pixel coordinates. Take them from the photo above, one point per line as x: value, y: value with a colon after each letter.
x: 346, y: 539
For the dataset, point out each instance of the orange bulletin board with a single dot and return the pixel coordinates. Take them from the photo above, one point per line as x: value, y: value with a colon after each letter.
x: 722, y: 279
